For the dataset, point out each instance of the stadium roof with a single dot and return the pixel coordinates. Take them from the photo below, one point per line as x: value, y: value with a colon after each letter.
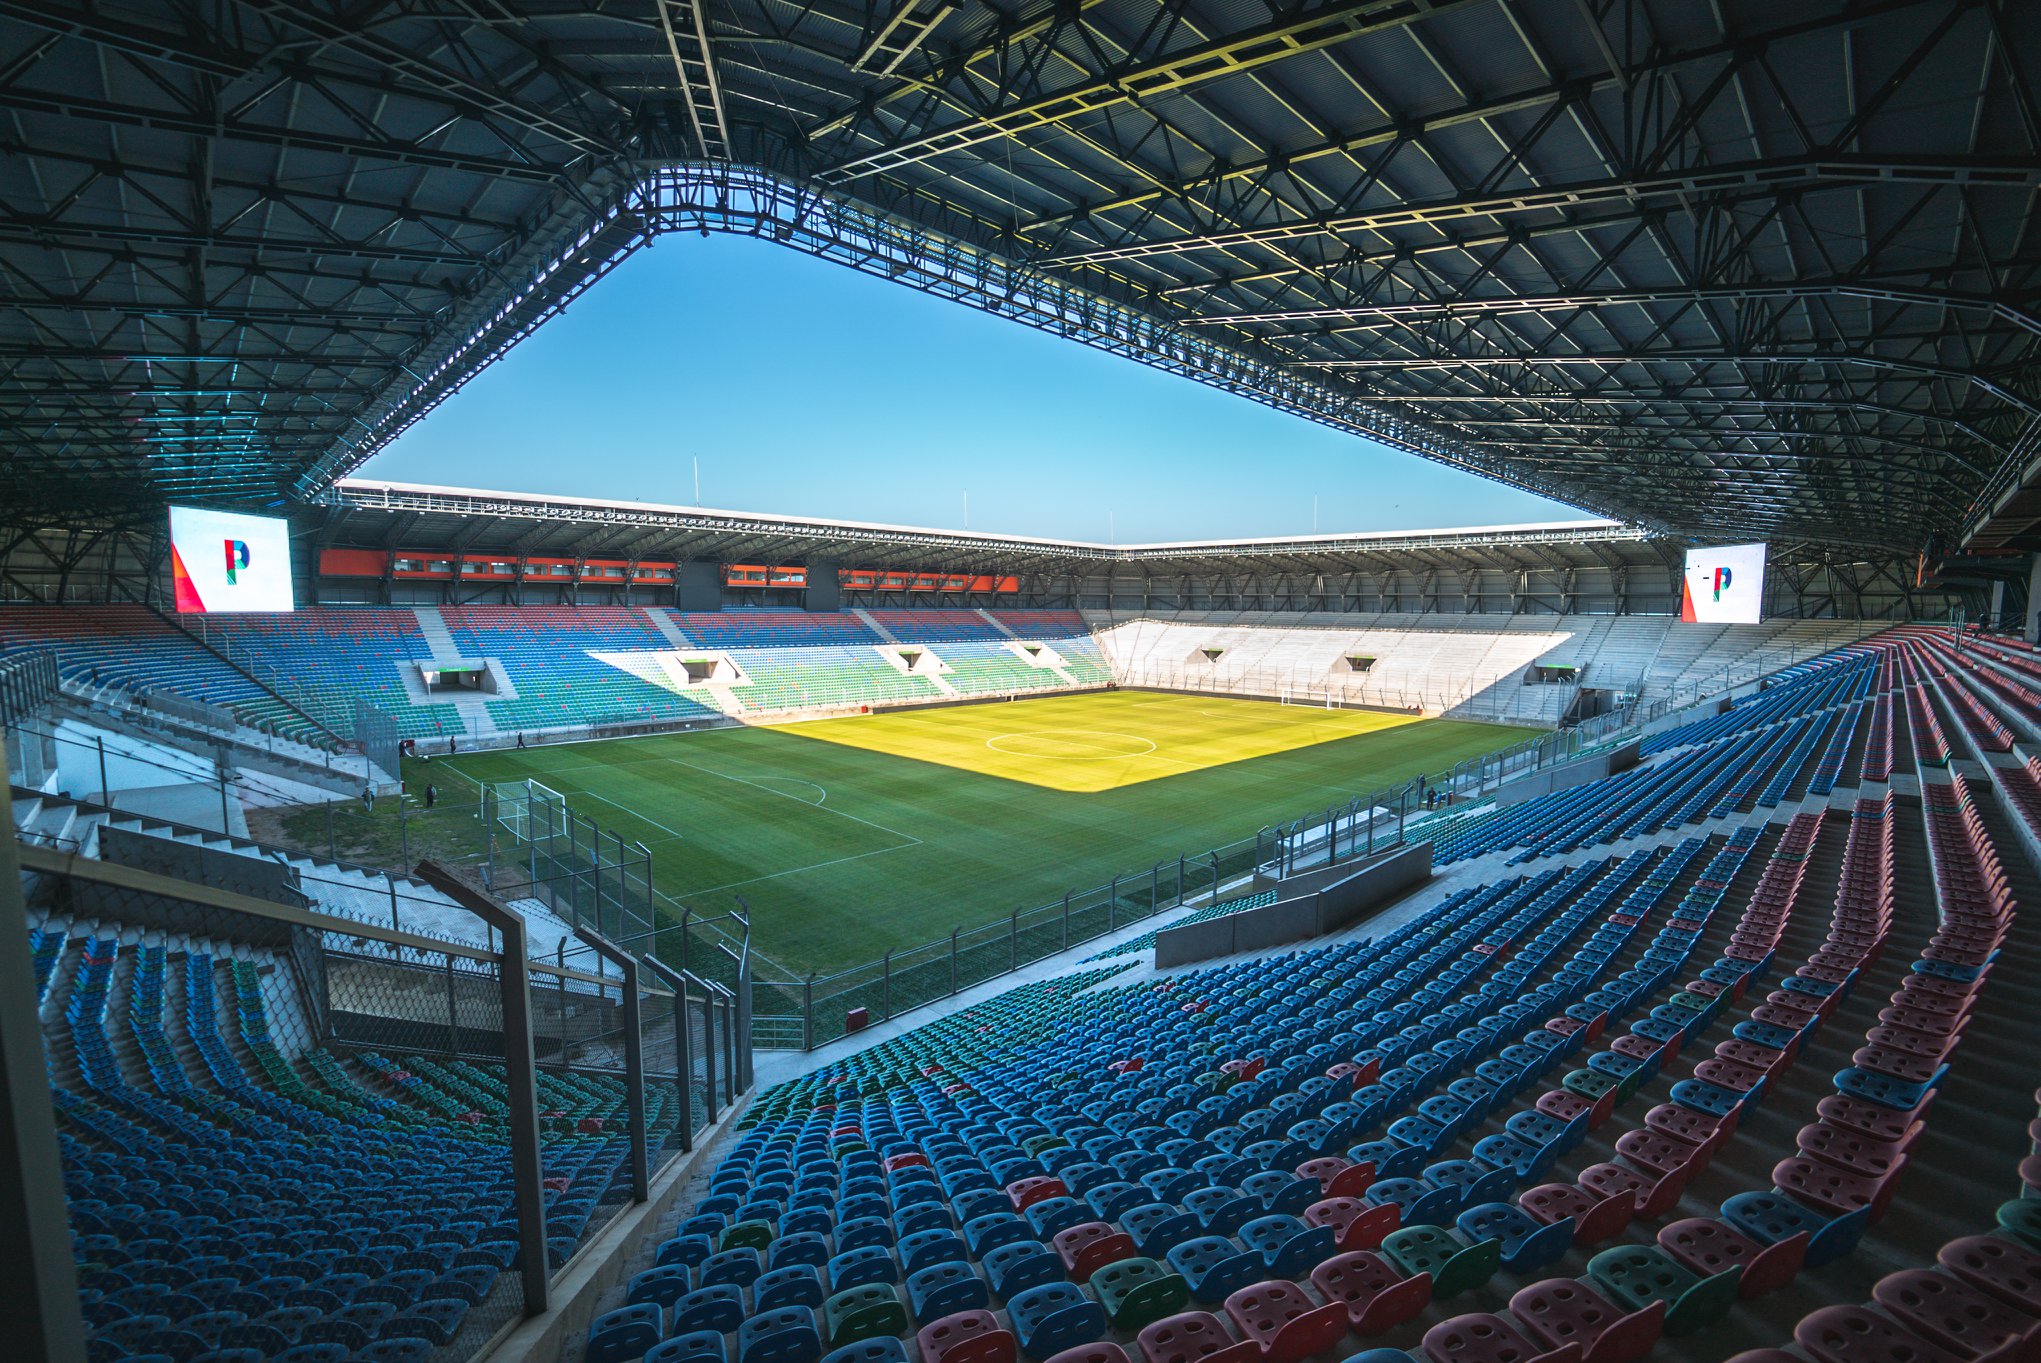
x: 1749, y: 269
x: 372, y: 513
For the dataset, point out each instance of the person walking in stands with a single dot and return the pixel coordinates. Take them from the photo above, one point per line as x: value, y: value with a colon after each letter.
x: 431, y: 795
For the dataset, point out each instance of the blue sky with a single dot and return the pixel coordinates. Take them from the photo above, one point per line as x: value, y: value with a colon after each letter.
x: 810, y: 389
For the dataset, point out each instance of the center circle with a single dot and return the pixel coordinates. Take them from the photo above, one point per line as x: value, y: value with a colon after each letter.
x: 1083, y: 745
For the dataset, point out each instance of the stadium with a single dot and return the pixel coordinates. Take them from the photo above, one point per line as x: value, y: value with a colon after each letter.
x: 458, y: 925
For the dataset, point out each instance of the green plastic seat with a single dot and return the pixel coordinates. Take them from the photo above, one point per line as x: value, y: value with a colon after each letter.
x: 2022, y: 1217
x: 1637, y: 1275
x: 747, y: 1234
x: 868, y: 1311
x: 1139, y: 1292
x: 1589, y: 1084
x: 1454, y: 1266
x: 1035, y: 1145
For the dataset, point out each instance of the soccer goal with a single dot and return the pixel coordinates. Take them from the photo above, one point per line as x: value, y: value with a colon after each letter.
x: 528, y: 810
x: 1297, y: 696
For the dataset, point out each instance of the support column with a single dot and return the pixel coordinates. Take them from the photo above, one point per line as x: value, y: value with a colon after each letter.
x: 39, y: 1298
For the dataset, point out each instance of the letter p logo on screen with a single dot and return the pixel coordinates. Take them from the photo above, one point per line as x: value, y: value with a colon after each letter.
x: 1723, y: 577
x: 237, y: 558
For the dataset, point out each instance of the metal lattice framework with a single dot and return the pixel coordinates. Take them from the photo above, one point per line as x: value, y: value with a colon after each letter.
x: 1728, y: 270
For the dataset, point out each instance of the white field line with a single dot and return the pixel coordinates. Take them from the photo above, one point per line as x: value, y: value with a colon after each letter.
x: 912, y: 841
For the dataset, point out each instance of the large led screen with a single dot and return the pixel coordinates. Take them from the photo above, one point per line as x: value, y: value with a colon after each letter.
x: 1724, y: 585
x: 225, y: 561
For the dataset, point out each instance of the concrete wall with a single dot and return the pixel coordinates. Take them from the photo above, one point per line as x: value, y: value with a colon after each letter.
x: 1567, y: 775
x: 1319, y: 906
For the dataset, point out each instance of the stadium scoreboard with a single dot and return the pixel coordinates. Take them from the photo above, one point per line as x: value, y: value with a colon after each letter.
x: 222, y: 561
x: 1724, y: 585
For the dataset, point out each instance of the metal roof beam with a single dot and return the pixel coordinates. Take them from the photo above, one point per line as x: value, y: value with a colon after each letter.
x: 1303, y: 31
x: 1770, y: 176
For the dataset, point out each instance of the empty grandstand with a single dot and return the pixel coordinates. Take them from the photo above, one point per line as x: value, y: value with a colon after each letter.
x: 446, y: 925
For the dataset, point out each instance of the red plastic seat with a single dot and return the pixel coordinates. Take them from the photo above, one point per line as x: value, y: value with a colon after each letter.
x: 1683, y: 1123
x: 1661, y: 1155
x: 1194, y: 1337
x: 1283, y: 1320
x: 1709, y: 1247
x: 1828, y: 1189
x: 1376, y: 1296
x: 1852, y: 1334
x: 1764, y: 1059
x: 966, y: 1337
x: 1337, y: 1177
x: 1932, y: 1046
x: 1028, y: 1191
x: 1483, y: 1338
x: 1654, y: 1197
x: 1911, y: 1069
x: 1355, y: 1224
x: 2007, y: 1270
x: 1561, y: 1311
x: 1943, y: 1308
x: 1729, y: 1074
x: 1784, y: 1015
x: 1089, y: 1247
x: 1596, y: 1217
x: 1852, y: 1152
x: 1565, y: 1105
x: 1867, y: 1118
x: 1637, y: 1047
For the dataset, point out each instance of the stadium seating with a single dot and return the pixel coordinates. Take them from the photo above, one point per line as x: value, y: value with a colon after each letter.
x: 572, y: 667
x: 134, y: 650
x: 1517, y: 1120
x: 1313, y: 1152
x: 546, y: 651
x: 298, y: 1196
x: 353, y: 653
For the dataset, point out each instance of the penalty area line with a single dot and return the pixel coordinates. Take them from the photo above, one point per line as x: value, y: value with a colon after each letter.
x: 797, y: 870
x: 911, y: 840
x: 675, y: 836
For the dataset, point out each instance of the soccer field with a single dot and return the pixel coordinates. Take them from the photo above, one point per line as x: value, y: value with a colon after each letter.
x: 851, y: 836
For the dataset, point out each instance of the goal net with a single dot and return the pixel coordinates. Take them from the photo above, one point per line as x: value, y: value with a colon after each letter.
x: 529, y: 811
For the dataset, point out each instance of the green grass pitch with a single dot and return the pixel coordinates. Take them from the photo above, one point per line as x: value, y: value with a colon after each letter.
x: 848, y: 837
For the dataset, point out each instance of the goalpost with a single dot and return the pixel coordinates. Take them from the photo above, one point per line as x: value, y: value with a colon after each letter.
x: 1290, y: 695
x: 527, y: 810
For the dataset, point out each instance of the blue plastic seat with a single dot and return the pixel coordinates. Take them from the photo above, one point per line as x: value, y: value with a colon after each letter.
x: 928, y: 1247
x: 860, y: 1266
x: 794, y: 1285
x: 1215, y: 1267
x: 1054, y: 1317
x: 740, y: 1266
x: 625, y: 1335
x: 885, y: 1349
x: 660, y: 1286
x: 719, y: 1307
x: 784, y: 1334
x: 1288, y: 1247
x: 694, y: 1346
x: 1015, y: 1268
x: 1527, y: 1244
x: 684, y: 1249
x: 944, y: 1289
